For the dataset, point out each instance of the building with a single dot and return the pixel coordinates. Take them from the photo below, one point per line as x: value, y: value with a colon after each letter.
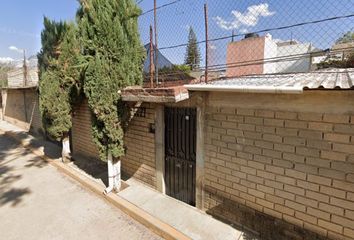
x: 271, y: 153
x: 263, y: 55
x: 20, y: 100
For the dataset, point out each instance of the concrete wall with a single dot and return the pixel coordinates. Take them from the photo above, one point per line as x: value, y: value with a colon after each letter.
x: 139, y: 161
x: 21, y: 107
x: 282, y: 157
x: 241, y: 54
x: 300, y: 65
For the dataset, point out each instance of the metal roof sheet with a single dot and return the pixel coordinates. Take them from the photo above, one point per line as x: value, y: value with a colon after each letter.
x: 321, y: 79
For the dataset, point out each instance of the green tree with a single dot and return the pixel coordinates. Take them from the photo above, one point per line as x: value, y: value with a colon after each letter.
x: 51, y: 37
x: 192, y: 56
x: 60, y: 85
x: 114, y: 57
x: 347, y: 37
x: 4, y: 69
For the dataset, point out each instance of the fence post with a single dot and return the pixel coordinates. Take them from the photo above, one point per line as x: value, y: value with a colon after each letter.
x: 151, y: 59
x: 206, y: 42
x: 156, y: 46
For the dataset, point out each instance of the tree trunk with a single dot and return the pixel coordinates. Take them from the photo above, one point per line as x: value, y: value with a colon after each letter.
x: 114, y: 180
x: 66, y: 154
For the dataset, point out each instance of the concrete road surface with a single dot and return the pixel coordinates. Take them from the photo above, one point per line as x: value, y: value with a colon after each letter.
x: 38, y: 202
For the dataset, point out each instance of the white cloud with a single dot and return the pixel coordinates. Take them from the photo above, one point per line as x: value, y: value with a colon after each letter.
x: 6, y: 60
x: 16, y: 49
x: 249, y: 18
x: 18, y: 32
x: 244, y: 30
x: 212, y: 47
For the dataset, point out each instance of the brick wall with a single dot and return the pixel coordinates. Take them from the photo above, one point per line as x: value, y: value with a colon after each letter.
x: 139, y: 161
x: 294, y: 166
x: 82, y: 141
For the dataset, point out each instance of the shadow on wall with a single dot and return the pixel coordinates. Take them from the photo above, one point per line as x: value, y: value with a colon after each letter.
x: 256, y: 225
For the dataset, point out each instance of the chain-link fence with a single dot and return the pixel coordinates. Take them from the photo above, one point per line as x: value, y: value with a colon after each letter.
x: 229, y: 38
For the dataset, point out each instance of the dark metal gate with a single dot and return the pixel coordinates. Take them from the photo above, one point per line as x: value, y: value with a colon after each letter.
x: 180, y: 153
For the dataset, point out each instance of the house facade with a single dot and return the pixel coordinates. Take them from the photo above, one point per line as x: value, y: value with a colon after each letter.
x: 264, y: 55
x: 272, y: 154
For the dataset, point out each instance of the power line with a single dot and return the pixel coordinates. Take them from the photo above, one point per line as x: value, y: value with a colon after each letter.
x: 264, y: 30
x: 294, y: 57
x: 162, y: 6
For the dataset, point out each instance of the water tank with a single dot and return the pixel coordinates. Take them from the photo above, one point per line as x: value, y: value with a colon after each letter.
x: 250, y: 35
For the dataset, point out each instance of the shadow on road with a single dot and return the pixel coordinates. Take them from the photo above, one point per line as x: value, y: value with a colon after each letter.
x: 10, y: 151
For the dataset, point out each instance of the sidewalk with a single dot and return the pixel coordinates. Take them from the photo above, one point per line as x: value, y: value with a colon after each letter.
x: 185, y: 219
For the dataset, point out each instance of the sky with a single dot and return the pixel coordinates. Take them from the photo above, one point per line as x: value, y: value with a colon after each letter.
x: 21, y: 22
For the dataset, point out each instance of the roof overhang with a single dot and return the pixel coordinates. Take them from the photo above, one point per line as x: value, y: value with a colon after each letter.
x: 244, y: 89
x: 155, y: 95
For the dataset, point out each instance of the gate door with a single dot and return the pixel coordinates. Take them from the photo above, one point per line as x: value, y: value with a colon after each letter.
x: 180, y: 153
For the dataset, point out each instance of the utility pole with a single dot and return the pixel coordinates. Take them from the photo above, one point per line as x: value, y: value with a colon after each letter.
x: 24, y: 69
x: 206, y: 41
x: 156, y: 46
x: 151, y: 59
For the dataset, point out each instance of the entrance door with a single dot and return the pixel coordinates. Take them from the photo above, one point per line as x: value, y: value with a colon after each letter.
x: 180, y: 153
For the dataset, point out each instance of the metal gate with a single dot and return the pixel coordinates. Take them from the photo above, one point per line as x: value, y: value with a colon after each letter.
x: 180, y: 153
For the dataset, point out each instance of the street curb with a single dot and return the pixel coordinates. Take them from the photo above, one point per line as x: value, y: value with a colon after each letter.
x: 154, y: 224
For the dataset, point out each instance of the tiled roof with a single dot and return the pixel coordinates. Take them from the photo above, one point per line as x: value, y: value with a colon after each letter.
x: 321, y: 79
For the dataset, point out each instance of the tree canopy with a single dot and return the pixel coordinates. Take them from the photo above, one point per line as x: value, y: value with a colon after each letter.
x: 192, y: 56
x: 51, y: 37
x: 347, y: 37
x: 60, y: 81
x: 113, y: 56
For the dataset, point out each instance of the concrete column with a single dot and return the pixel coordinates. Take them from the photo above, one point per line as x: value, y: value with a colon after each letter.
x: 160, y: 147
x: 200, y: 151
x: 4, y: 100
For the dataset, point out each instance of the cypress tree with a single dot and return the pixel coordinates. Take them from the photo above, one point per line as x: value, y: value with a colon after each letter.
x: 114, y: 58
x: 60, y: 85
x: 51, y: 37
x: 192, y: 56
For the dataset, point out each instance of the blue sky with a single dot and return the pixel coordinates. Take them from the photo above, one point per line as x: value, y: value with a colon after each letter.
x: 21, y: 22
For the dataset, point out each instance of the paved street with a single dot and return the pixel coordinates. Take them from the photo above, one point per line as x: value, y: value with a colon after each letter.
x: 38, y: 202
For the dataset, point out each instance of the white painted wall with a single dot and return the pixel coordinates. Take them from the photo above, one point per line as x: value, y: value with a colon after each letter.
x: 302, y: 64
x: 270, y: 52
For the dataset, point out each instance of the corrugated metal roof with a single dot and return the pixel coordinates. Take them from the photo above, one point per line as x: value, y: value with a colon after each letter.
x: 321, y: 79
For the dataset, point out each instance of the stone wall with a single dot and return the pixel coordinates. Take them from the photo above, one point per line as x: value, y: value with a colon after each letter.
x: 290, y: 165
